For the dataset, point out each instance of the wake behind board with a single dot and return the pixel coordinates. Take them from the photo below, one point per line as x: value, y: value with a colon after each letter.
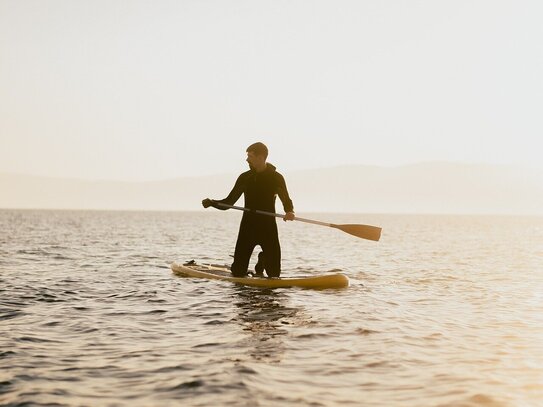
x: 213, y: 272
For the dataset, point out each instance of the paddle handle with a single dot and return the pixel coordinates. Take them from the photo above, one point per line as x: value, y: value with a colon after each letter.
x: 277, y: 215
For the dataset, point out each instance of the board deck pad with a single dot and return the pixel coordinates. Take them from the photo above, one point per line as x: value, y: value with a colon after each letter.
x: 217, y: 272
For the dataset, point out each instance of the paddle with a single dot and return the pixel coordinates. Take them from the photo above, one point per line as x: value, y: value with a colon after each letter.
x: 362, y: 231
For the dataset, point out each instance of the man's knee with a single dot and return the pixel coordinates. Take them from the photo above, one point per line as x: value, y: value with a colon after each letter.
x: 238, y: 271
x: 272, y: 271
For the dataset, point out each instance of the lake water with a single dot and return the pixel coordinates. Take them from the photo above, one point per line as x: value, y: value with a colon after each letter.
x: 443, y: 311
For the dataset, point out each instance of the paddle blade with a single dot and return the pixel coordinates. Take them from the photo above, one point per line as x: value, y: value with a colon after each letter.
x: 362, y: 231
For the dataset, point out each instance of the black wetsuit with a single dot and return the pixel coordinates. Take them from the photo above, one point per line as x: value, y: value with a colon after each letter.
x: 260, y: 189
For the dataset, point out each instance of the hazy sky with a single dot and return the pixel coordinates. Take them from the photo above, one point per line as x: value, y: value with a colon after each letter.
x: 142, y: 90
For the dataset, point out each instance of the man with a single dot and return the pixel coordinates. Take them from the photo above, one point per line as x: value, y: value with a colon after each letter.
x: 261, y: 184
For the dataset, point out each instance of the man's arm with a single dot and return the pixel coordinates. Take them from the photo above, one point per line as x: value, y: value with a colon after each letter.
x: 282, y: 191
x: 232, y: 197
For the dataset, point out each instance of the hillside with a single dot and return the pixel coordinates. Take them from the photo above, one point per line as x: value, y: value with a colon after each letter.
x: 419, y: 188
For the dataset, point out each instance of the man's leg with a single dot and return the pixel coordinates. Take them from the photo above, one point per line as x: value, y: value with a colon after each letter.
x: 260, y: 264
x: 244, y: 248
x: 272, y: 255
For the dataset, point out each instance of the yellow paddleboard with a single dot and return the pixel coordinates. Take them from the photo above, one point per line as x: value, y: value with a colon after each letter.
x: 213, y: 272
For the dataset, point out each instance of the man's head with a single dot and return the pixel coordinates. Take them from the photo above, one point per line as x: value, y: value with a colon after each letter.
x: 256, y: 156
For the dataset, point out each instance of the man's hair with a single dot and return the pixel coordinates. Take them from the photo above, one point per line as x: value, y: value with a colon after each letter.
x: 258, y: 149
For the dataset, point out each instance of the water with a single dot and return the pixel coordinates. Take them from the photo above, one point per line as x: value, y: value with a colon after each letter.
x: 444, y: 311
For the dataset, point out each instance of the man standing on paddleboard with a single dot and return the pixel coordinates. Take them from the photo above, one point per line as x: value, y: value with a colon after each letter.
x: 261, y: 184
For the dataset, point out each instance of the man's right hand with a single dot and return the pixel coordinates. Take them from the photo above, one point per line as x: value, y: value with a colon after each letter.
x: 206, y: 203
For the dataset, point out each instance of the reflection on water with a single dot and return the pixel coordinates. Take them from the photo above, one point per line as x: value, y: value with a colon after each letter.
x: 263, y: 314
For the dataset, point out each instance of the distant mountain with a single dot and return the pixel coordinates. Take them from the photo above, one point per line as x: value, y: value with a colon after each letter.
x: 434, y: 187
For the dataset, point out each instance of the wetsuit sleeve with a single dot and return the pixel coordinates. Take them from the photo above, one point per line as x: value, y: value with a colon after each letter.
x: 234, y: 195
x: 283, y: 194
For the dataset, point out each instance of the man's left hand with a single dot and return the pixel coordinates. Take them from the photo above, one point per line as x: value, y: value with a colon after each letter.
x: 289, y: 216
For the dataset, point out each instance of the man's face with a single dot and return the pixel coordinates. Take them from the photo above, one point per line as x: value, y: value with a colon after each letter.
x: 254, y: 160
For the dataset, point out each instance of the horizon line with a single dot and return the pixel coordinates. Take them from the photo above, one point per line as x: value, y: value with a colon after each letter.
x: 532, y: 215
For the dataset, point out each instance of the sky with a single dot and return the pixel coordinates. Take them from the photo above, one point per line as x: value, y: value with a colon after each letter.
x: 147, y: 90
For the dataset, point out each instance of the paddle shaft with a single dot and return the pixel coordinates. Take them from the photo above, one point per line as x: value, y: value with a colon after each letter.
x: 362, y: 231
x: 277, y: 215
